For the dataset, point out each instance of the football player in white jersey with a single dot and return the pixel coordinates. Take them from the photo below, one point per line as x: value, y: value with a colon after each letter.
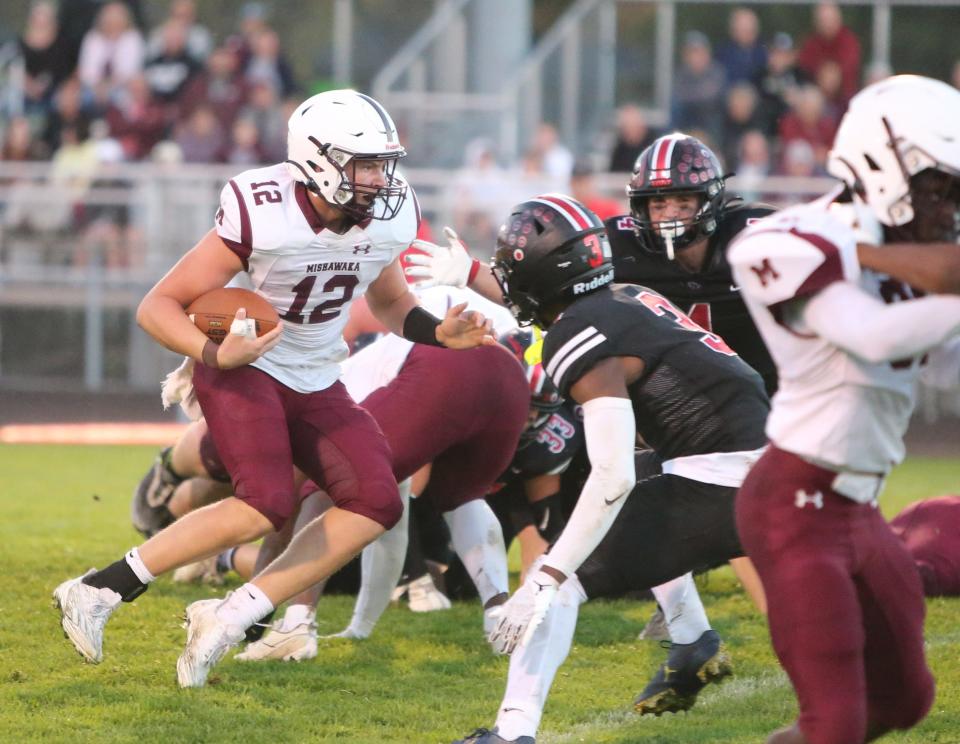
x: 845, y: 602
x: 309, y: 234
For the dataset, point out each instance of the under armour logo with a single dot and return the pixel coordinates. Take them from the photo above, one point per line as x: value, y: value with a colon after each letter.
x: 803, y: 498
x: 764, y: 271
x: 364, y: 249
x: 219, y: 216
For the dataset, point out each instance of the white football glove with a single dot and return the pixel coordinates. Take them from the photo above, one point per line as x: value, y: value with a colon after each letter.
x: 520, y: 615
x: 439, y: 265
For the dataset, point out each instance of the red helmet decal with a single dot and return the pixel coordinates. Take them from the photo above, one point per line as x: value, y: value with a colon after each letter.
x: 596, y: 252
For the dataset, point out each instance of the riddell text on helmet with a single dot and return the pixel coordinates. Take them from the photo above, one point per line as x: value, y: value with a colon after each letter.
x: 595, y: 283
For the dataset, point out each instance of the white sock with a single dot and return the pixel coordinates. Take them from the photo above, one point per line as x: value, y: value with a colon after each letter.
x: 682, y: 608
x: 245, y: 606
x: 381, y: 564
x: 533, y: 667
x: 225, y: 560
x: 297, y: 614
x: 478, y: 539
x: 137, y: 566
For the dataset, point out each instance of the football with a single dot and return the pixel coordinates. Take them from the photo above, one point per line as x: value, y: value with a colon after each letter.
x: 214, y: 311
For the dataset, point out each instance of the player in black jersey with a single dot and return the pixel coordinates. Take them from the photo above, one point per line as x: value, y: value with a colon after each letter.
x: 675, y: 240
x: 531, y: 499
x: 637, y: 365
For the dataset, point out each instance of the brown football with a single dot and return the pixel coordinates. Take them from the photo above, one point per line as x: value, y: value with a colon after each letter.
x: 214, y: 311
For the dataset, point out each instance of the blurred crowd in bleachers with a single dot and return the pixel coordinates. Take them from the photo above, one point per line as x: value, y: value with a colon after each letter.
x: 90, y: 72
x: 89, y: 83
x: 768, y: 102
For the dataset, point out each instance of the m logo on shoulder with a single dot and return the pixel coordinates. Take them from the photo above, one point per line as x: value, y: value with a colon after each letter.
x: 803, y: 498
x: 765, y: 271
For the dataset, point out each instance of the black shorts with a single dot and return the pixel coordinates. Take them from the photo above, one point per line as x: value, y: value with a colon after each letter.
x: 670, y: 525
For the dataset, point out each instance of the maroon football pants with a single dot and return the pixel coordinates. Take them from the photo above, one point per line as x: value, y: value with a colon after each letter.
x: 463, y: 411
x: 261, y: 429
x: 846, y: 606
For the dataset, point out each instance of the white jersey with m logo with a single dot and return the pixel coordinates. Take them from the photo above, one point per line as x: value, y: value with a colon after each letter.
x: 308, y: 273
x: 832, y: 407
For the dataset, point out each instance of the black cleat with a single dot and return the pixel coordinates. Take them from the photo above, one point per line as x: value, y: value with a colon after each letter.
x: 490, y: 736
x: 688, y: 669
x: 148, y: 511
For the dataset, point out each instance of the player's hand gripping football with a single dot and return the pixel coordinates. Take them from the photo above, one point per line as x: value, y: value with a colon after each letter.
x: 464, y: 329
x: 520, y: 615
x: 437, y: 264
x: 242, y: 346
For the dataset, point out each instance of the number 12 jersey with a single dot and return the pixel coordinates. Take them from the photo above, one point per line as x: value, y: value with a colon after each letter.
x: 308, y: 273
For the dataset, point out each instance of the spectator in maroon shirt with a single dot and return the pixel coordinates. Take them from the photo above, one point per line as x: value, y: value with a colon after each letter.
x: 831, y: 41
x: 219, y: 85
x: 137, y: 120
x: 808, y: 120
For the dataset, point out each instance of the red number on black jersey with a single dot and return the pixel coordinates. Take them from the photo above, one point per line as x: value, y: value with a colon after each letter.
x: 663, y: 307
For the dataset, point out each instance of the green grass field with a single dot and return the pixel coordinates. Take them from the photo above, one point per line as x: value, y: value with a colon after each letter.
x: 420, y: 678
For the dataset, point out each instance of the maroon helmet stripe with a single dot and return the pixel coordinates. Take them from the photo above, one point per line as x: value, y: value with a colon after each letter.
x: 246, y: 234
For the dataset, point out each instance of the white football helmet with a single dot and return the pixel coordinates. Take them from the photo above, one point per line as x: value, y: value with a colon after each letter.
x: 331, y: 129
x: 893, y: 130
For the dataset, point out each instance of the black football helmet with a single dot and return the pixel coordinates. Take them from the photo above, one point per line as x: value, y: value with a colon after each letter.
x: 526, y: 344
x: 550, y: 251
x: 675, y: 164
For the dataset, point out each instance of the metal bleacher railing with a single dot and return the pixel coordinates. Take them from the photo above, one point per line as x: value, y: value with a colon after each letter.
x: 77, y: 257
